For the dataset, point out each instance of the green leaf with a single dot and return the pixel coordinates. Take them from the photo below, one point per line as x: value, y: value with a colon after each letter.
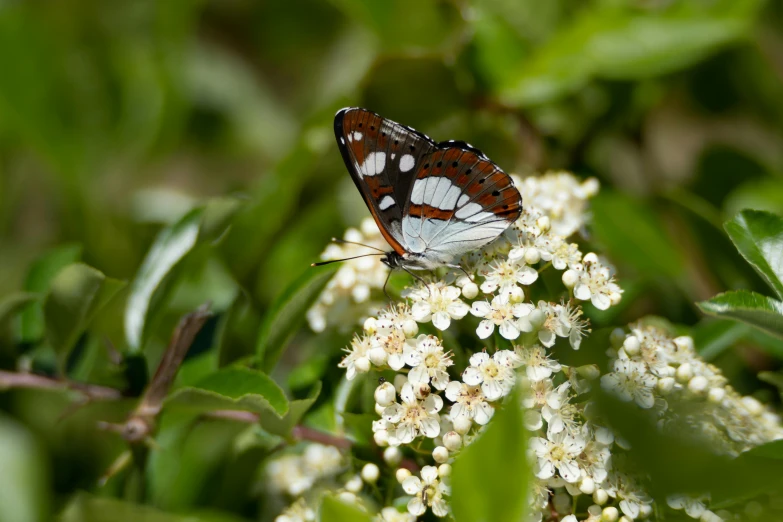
x: 632, y: 233
x: 334, y: 510
x: 38, y: 279
x: 150, y: 287
x: 76, y: 295
x: 231, y: 388
x: 358, y: 427
x: 12, y: 304
x: 758, y: 236
x: 287, y: 313
x: 773, y: 378
x: 770, y: 450
x: 620, y: 42
x: 752, y: 308
x: 88, y: 508
x: 296, y: 410
x: 498, y: 457
x: 24, y: 491
x: 712, y: 338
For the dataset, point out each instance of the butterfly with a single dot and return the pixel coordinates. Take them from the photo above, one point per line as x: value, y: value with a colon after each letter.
x: 433, y: 202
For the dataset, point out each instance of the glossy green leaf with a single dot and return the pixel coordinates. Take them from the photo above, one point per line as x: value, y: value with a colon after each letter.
x: 752, y: 308
x: 334, y: 510
x: 76, y: 295
x: 358, y: 427
x: 154, y: 278
x: 38, y: 279
x: 491, y: 475
x: 296, y: 410
x: 631, y: 232
x: 758, y: 236
x: 287, y: 313
x: 24, y: 493
x: 619, y: 42
x: 89, y: 508
x: 231, y: 388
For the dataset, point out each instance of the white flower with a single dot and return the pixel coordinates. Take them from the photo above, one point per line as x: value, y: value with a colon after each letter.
x: 558, y: 453
x: 356, y: 361
x: 506, y: 275
x: 565, y: 255
x: 390, y: 514
x: 564, y: 417
x: 469, y: 401
x: 558, y: 320
x: 495, y: 374
x: 510, y: 318
x: 538, y: 366
x: 412, y: 417
x: 429, y: 362
x: 297, y: 512
x: 693, y: 506
x: 390, y: 338
x: 594, y: 460
x: 440, y: 305
x: 562, y: 197
x: 631, y: 382
x: 595, y: 283
x: 427, y: 492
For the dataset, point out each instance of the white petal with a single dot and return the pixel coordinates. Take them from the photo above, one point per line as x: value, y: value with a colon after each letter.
x: 430, y: 427
x: 601, y: 301
x: 395, y: 361
x: 509, y: 330
x: 419, y: 375
x: 452, y: 390
x: 569, y: 471
x: 472, y: 376
x: 478, y: 358
x: 527, y: 275
x: 492, y: 390
x: 545, y: 469
x: 441, y: 320
x: 547, y: 338
x: 485, y: 329
x: 405, y: 433
x: 440, y: 508
x: 421, y: 311
x: 458, y: 309
x: 407, y: 394
x: 411, y: 485
x: 480, y: 308
x: 429, y: 474
x: 483, y: 413
x: 416, y: 507
x: 582, y: 292
x: 537, y: 373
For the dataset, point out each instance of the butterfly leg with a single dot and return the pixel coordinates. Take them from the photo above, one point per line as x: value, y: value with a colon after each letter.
x: 420, y: 279
x: 460, y: 268
x: 386, y: 283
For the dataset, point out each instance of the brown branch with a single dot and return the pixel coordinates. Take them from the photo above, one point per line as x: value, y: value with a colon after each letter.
x: 304, y: 433
x: 40, y: 382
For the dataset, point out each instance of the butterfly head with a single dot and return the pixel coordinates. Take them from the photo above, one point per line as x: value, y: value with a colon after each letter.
x: 392, y: 259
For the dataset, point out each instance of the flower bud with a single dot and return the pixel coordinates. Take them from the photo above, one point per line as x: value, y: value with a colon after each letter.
x: 385, y: 394
x: 470, y: 290
x: 590, y: 187
x: 570, y: 278
x: 440, y: 454
x: 362, y: 365
x: 370, y: 473
x: 347, y: 497
x: 444, y: 470
x: 536, y: 318
x: 645, y: 510
x: 752, y: 405
x: 381, y: 438
x: 392, y: 455
x: 377, y: 356
x: 587, y: 486
x: 698, y: 384
x: 532, y: 256
x: 572, y: 489
x: 354, y: 484
x: 379, y: 409
x: 716, y: 395
x: 684, y: 373
x: 422, y: 391
x: 543, y: 223
x: 452, y: 440
x: 625, y: 519
x: 632, y: 345
x: 665, y: 385
x: 615, y: 298
x: 600, y: 497
x: 589, y: 371
x: 594, y: 510
x: 515, y: 295
x: 610, y: 514
x: 410, y: 328
x: 590, y: 258
x: 402, y: 474
x: 462, y: 424
x: 684, y: 343
x: 370, y: 325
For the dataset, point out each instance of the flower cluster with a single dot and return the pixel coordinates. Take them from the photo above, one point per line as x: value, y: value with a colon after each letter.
x: 438, y: 391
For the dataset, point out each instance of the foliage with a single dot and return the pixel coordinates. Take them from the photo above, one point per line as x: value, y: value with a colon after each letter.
x: 157, y: 156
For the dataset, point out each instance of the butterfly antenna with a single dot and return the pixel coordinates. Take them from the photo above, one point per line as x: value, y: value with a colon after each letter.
x: 344, y: 242
x: 322, y: 263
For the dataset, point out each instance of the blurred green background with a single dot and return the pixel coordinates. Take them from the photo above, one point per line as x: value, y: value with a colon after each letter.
x: 118, y: 118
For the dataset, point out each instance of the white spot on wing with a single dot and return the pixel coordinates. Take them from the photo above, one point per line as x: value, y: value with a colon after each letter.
x: 373, y: 164
x: 462, y: 200
x: 386, y: 202
x: 342, y: 140
x: 450, y: 200
x: 468, y: 210
x: 357, y: 136
x: 417, y: 194
x: 406, y: 162
x: 393, y: 155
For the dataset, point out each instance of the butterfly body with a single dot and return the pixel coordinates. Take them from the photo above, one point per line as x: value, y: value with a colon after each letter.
x: 433, y: 202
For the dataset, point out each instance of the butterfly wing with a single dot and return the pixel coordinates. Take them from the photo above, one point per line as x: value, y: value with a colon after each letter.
x: 460, y: 200
x: 383, y: 158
